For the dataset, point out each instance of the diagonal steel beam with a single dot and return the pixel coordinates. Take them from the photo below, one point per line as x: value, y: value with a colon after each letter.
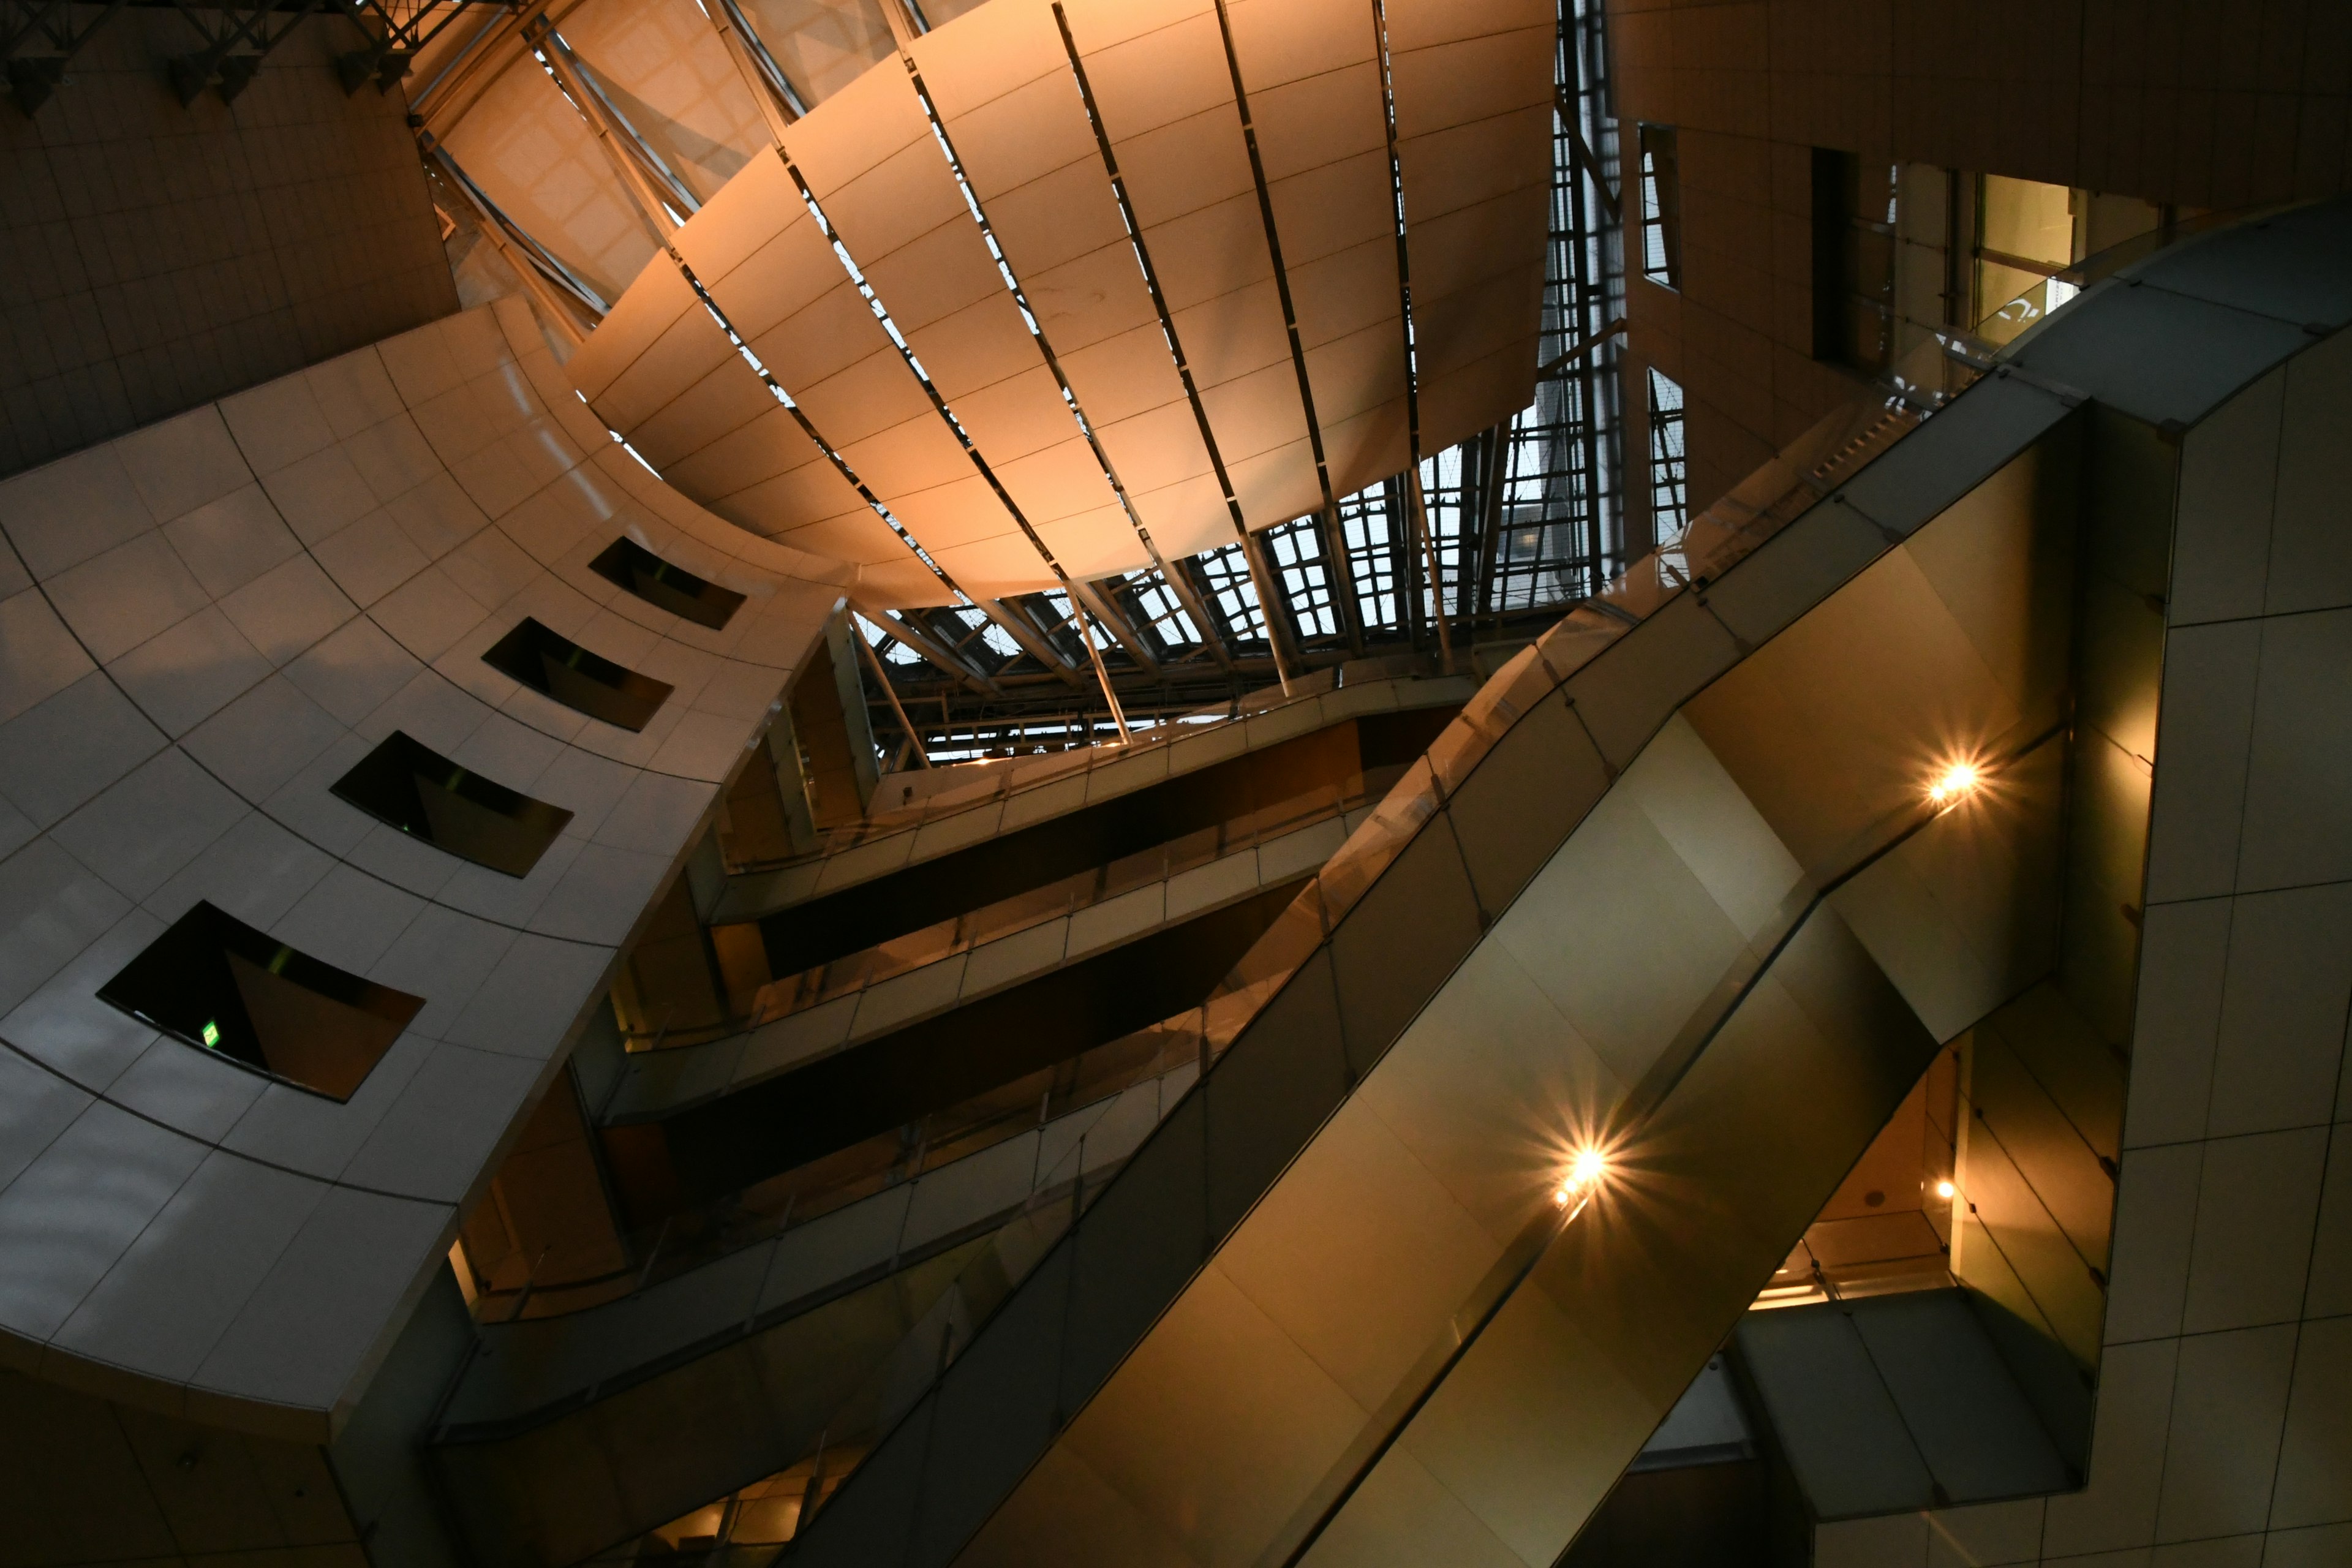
x: 916, y: 636
x: 1106, y: 609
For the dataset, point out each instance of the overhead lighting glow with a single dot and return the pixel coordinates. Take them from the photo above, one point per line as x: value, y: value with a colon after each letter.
x: 1955, y: 784
x: 1945, y: 1189
x: 1586, y: 1170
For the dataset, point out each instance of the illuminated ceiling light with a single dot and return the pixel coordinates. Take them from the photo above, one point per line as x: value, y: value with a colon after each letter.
x: 1584, y: 1172
x: 1945, y: 1189
x: 1955, y: 784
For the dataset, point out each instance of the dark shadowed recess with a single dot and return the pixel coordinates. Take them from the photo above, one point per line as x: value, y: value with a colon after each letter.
x: 225, y: 988
x: 631, y: 565
x: 554, y: 666
x: 824, y: 928
x: 786, y: 1121
x: 413, y: 787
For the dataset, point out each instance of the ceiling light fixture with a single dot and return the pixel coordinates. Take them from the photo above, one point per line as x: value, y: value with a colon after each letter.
x: 1955, y: 784
x: 1585, y: 1171
x: 1945, y: 1189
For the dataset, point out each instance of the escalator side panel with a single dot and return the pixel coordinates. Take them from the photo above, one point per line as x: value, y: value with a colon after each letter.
x: 1533, y: 1428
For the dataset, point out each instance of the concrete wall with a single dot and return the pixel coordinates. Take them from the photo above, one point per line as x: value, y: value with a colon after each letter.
x: 155, y: 257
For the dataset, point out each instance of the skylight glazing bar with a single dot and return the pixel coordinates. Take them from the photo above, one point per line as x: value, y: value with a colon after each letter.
x: 873, y: 663
x: 1165, y: 610
x: 1160, y: 305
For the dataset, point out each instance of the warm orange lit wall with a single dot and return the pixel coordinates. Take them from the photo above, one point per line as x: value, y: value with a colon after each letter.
x: 2177, y: 101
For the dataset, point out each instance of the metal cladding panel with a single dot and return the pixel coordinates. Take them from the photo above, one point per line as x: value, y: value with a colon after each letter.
x: 902, y: 219
x: 759, y: 468
x: 992, y: 568
x: 657, y: 302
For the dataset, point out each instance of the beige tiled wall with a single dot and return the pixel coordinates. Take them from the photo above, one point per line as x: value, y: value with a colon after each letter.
x: 153, y: 258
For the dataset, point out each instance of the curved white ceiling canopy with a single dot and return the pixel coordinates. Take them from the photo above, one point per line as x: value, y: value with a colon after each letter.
x: 1239, y: 358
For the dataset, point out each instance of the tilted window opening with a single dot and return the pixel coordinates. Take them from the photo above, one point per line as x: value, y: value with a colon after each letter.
x: 1662, y: 207
x: 554, y: 666
x: 1669, y: 487
x: 631, y: 565
x: 407, y: 784
x: 220, y: 986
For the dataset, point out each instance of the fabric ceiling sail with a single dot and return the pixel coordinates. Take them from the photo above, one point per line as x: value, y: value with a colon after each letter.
x: 888, y: 188
x: 1311, y: 68
x: 1004, y: 91
x: 1473, y: 88
x: 1010, y: 82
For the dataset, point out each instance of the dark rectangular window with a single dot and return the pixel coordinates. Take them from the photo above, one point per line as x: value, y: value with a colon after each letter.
x: 1662, y: 207
x: 673, y: 588
x: 554, y: 666
x: 418, y: 790
x: 222, y: 986
x: 1854, y: 259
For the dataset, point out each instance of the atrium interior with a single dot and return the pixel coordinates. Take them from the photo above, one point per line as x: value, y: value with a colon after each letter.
x: 1543, y: 783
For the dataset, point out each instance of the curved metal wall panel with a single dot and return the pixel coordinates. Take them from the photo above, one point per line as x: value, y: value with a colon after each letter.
x: 217, y: 616
x: 1005, y: 80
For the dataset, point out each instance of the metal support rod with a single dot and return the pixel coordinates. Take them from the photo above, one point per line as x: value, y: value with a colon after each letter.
x: 917, y: 636
x: 1094, y: 652
x: 905, y: 25
x: 1019, y: 627
x: 754, y: 64
x: 497, y: 26
x: 564, y: 298
x: 1429, y: 558
x: 1272, y: 608
x: 1579, y: 349
x: 650, y: 208
x: 873, y: 663
x: 1106, y: 611
x: 1585, y: 159
x: 1494, y: 460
